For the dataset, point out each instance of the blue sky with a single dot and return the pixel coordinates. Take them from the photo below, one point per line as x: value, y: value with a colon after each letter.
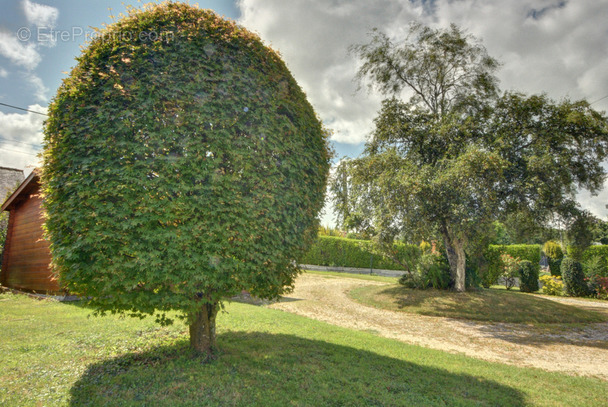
x: 555, y: 47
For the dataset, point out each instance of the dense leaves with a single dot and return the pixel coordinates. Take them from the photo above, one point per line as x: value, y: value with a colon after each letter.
x: 183, y: 164
x: 448, y: 156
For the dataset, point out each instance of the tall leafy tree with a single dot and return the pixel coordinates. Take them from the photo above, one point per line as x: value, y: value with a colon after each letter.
x: 183, y: 164
x: 448, y: 156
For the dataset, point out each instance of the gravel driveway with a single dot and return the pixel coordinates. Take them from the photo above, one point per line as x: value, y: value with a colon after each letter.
x: 579, y: 351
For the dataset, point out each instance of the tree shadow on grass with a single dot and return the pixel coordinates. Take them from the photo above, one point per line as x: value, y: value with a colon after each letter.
x: 541, y: 321
x: 276, y: 370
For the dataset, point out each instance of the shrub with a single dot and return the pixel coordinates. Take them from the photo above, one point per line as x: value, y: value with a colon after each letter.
x: 595, y: 267
x: 554, y: 253
x: 601, y: 287
x: 335, y: 251
x: 555, y: 266
x: 595, y: 251
x: 574, y: 278
x: 432, y: 271
x: 553, y: 250
x: 552, y: 285
x: 510, y: 266
x: 425, y: 247
x: 528, y: 275
x: 494, y: 268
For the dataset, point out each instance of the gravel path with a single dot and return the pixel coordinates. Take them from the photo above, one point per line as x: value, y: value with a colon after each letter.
x: 580, y: 351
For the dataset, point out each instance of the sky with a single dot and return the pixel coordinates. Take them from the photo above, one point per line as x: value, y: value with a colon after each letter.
x: 555, y: 47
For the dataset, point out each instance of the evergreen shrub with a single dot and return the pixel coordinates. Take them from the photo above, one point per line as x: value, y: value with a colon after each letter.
x: 528, y: 277
x: 574, y: 278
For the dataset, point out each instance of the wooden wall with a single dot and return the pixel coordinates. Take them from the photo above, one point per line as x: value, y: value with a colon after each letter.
x: 26, y: 260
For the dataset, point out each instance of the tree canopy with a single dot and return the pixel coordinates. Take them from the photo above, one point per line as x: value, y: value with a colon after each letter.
x: 183, y: 164
x: 449, y: 155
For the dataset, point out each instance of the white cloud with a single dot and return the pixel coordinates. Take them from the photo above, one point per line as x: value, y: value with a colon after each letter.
x: 18, y: 52
x: 3, y: 73
x: 20, y: 135
x: 556, y: 47
x: 552, y: 46
x: 40, y: 91
x: 39, y: 14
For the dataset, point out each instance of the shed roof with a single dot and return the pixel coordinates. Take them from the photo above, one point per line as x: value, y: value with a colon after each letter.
x: 26, y: 187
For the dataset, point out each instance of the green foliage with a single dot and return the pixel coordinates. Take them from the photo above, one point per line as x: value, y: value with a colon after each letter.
x: 501, y: 235
x: 600, y: 232
x: 554, y: 253
x: 580, y: 235
x: 425, y: 247
x: 574, y: 278
x: 600, y: 287
x: 182, y: 164
x: 595, y: 252
x: 510, y: 268
x: 432, y: 271
x: 596, y: 266
x: 342, y: 252
x: 552, y: 285
x: 493, y: 254
x: 329, y: 231
x: 555, y: 267
x: 528, y: 276
x: 553, y: 250
x: 456, y: 157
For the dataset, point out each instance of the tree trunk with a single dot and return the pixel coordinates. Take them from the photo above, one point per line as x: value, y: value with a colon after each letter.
x: 457, y: 259
x: 202, y: 329
x: 461, y: 271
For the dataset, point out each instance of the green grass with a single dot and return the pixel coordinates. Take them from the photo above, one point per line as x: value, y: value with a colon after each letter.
x: 369, y: 277
x: 53, y: 354
x: 493, y: 305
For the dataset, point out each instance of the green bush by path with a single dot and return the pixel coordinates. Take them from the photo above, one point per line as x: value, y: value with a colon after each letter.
x: 574, y: 278
x: 529, y: 252
x: 334, y: 251
x: 528, y: 275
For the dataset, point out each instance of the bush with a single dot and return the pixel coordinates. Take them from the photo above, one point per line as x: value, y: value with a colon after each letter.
x: 554, y: 253
x: 555, y: 266
x: 432, y: 271
x: 552, y: 285
x: 342, y: 252
x: 595, y: 267
x: 510, y: 266
x: 494, y: 268
x: 528, y: 275
x: 574, y: 278
x: 553, y: 250
x: 595, y: 251
x: 601, y: 287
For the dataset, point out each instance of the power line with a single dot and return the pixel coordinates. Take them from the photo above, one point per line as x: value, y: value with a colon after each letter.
x: 17, y: 151
x: 25, y: 110
x: 37, y: 145
x: 598, y: 100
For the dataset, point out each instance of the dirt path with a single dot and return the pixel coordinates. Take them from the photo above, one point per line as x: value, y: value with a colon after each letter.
x: 576, y: 351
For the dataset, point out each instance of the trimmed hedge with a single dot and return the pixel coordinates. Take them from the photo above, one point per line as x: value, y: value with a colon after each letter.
x: 528, y: 275
x: 574, y: 278
x: 595, y: 251
x: 342, y: 252
x: 529, y: 252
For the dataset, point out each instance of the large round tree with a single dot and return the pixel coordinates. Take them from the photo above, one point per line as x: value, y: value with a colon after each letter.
x: 183, y: 164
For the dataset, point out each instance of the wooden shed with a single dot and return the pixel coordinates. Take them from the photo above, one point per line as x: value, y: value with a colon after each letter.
x: 26, y: 257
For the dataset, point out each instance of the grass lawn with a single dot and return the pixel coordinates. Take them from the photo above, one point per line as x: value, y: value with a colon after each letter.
x: 495, y: 305
x: 369, y: 277
x: 54, y: 354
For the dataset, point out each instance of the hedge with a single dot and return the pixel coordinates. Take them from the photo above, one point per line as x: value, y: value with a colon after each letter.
x: 530, y: 252
x: 595, y: 251
x: 342, y: 252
